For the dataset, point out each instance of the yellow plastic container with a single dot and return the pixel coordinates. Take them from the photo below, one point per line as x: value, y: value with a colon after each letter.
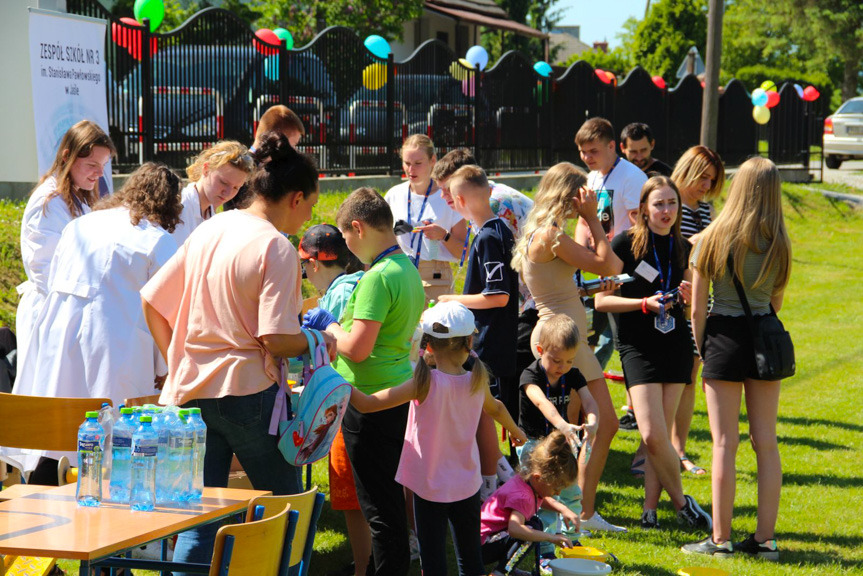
x: 583, y: 552
x: 702, y: 571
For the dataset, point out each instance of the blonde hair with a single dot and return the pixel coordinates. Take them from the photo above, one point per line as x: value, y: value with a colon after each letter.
x: 448, y: 347
x: 221, y: 153
x: 693, y: 164
x: 77, y: 142
x: 420, y: 141
x: 552, y: 206
x: 640, y: 233
x: 560, y: 332
x: 472, y: 175
x: 553, y: 460
x: 752, y: 212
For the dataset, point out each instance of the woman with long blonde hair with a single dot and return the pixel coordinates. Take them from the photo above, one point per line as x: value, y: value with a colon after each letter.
x: 216, y: 176
x: 748, y: 241
x: 546, y: 258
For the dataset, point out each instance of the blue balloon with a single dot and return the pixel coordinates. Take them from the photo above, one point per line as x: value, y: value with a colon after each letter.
x: 378, y: 46
x: 799, y: 90
x: 477, y: 56
x: 759, y: 97
x: 542, y: 68
x: 271, y: 68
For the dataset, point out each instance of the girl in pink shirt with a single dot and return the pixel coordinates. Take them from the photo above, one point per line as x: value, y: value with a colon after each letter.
x: 440, y: 459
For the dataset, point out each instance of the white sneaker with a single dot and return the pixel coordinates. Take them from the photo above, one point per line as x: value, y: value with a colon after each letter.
x: 597, y: 523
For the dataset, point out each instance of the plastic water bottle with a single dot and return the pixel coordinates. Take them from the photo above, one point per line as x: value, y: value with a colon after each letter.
x: 121, y: 453
x: 137, y: 411
x: 91, y: 443
x: 198, y: 451
x: 433, y: 249
x: 162, y: 423
x: 179, y: 460
x: 145, y: 445
x: 106, y: 420
x: 188, y: 462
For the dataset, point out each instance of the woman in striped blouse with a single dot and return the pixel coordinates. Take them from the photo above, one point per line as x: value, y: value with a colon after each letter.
x: 700, y: 176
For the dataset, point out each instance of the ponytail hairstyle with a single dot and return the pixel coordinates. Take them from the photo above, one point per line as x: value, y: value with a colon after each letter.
x: 151, y: 193
x: 77, y: 142
x: 640, y: 233
x: 459, y: 345
x: 218, y: 155
x: 553, y: 460
x: 282, y: 170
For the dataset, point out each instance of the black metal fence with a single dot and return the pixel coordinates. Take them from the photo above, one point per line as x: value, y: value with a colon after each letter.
x: 211, y: 78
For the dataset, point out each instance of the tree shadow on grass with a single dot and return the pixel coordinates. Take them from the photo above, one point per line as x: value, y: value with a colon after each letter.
x: 811, y: 443
x: 809, y: 422
x: 822, y: 480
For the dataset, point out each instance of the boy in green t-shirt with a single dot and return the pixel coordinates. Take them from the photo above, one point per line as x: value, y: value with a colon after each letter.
x: 373, y: 343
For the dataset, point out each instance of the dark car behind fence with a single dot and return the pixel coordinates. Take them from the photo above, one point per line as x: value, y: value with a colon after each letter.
x: 211, y: 78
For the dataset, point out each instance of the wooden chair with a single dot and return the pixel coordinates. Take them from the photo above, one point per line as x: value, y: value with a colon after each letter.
x: 141, y: 400
x: 250, y: 548
x: 40, y: 423
x: 264, y: 507
x: 308, y: 507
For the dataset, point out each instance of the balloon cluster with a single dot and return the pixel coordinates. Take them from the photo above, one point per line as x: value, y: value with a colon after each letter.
x: 606, y: 77
x: 375, y: 74
x: 152, y: 9
x: 763, y: 99
x: 131, y: 39
x: 271, y: 64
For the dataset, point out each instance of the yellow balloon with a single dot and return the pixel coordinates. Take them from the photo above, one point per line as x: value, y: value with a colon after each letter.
x: 458, y: 69
x: 761, y: 114
x: 375, y: 76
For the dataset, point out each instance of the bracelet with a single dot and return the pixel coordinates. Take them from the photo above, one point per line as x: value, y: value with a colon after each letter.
x: 447, y: 237
x: 644, y: 305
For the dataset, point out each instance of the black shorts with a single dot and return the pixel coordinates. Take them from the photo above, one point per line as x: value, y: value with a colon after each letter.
x: 728, y: 353
x: 669, y: 367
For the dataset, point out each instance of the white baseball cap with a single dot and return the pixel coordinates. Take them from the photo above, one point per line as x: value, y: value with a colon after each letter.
x: 448, y: 320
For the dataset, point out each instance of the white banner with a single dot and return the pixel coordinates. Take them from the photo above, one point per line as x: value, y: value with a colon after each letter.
x: 67, y: 64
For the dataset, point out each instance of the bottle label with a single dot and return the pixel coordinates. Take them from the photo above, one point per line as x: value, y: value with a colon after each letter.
x: 200, y: 439
x: 146, y: 450
x: 89, y: 446
x: 175, y: 442
x: 187, y: 442
x: 122, y: 442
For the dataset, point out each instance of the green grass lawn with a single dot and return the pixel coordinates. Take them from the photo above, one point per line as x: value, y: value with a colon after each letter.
x: 820, y: 424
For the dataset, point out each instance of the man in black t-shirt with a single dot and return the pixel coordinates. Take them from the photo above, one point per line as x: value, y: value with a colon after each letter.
x: 637, y: 144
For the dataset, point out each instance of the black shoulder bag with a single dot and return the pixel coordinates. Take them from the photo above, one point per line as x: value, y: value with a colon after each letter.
x: 774, y: 350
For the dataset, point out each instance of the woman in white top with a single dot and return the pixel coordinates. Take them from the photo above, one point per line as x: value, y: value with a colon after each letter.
x: 216, y: 176
x: 67, y: 190
x: 91, y: 339
x: 437, y: 232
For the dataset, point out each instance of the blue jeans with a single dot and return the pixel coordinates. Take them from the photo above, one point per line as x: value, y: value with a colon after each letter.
x: 237, y: 425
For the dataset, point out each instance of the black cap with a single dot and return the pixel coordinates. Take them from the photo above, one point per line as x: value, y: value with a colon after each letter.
x: 322, y: 242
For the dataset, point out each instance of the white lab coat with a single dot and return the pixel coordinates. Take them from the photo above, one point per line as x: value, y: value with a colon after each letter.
x: 91, y: 338
x: 40, y: 234
x: 191, y: 215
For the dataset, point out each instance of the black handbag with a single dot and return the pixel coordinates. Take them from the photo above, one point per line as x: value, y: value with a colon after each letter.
x: 774, y: 350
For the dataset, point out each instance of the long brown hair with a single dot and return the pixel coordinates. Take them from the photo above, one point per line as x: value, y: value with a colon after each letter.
x: 152, y: 192
x: 77, y: 142
x: 752, y: 212
x: 640, y: 233
x: 447, y: 347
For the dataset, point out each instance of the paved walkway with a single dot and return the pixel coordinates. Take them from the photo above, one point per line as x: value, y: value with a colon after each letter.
x: 850, y: 174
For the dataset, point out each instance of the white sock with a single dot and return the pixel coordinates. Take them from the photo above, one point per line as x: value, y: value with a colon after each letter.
x: 489, y: 485
x: 504, y: 470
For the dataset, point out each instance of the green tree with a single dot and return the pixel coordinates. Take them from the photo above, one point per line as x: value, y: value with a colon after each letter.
x: 663, y: 38
x: 538, y: 14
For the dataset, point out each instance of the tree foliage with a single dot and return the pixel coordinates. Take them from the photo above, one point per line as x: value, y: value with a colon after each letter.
x: 662, y: 40
x: 538, y: 14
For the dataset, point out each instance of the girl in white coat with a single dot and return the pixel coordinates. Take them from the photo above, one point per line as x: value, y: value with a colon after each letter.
x: 216, y: 176
x: 91, y: 339
x: 66, y: 191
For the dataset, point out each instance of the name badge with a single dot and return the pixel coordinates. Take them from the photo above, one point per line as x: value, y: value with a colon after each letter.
x: 647, y: 271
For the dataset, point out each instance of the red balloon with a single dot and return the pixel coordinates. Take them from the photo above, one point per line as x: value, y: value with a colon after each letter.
x: 131, y: 39
x: 811, y: 94
x: 270, y: 37
x: 611, y: 77
x: 660, y: 82
x: 603, y: 76
x: 772, y: 99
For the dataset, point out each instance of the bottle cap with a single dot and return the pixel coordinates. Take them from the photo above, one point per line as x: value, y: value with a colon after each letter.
x: 183, y: 412
x: 194, y: 410
x: 126, y: 410
x: 105, y: 404
x: 146, y: 419
x: 93, y: 414
x: 137, y: 409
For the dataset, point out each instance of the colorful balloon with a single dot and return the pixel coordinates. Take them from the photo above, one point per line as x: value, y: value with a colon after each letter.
x: 266, y: 35
x: 799, y: 90
x: 468, y: 87
x: 660, y: 82
x: 759, y: 97
x: 811, y: 94
x: 542, y: 68
x: 131, y: 39
x: 768, y: 86
x: 286, y: 36
x: 477, y: 56
x: 772, y: 99
x: 378, y: 46
x: 603, y: 76
x: 761, y: 114
x: 271, y: 68
x: 460, y: 69
x: 152, y: 9
x: 375, y: 76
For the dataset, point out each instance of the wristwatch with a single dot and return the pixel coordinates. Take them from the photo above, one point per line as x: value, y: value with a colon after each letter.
x: 447, y: 236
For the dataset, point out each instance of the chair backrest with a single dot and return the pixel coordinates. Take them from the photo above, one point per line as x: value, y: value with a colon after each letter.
x: 264, y: 507
x: 141, y: 400
x: 250, y: 548
x: 40, y: 423
x: 308, y: 505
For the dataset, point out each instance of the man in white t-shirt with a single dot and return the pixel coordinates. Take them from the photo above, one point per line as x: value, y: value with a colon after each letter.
x: 617, y: 183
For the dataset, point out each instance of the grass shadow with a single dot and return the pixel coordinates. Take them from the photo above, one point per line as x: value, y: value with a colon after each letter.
x: 808, y: 422
x: 822, y: 480
x: 811, y: 443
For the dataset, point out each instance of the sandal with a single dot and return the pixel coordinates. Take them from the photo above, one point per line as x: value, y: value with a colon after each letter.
x: 637, y: 468
x: 692, y: 468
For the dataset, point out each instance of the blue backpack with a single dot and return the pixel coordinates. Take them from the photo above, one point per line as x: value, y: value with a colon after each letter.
x: 322, y: 404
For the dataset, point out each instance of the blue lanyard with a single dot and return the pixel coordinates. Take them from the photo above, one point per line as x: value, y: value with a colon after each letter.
x: 664, y: 282
x: 466, y: 242
x: 422, y: 209
x: 607, y: 176
x: 562, y: 397
x: 382, y: 255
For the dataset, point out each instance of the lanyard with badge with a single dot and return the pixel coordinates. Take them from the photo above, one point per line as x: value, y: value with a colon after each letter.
x: 664, y: 322
x: 419, y: 221
x: 605, y: 210
x: 383, y: 255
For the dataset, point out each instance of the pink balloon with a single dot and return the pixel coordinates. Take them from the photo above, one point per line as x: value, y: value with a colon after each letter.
x: 811, y: 94
x: 660, y: 82
x: 270, y: 37
x: 468, y: 87
x: 603, y: 76
x: 772, y: 99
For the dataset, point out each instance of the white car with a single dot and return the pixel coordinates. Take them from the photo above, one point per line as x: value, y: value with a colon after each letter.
x: 843, y: 134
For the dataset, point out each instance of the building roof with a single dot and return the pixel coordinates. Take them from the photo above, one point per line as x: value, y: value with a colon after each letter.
x: 484, y: 13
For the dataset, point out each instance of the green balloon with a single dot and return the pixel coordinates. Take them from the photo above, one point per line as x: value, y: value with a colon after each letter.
x: 286, y: 36
x: 152, y: 9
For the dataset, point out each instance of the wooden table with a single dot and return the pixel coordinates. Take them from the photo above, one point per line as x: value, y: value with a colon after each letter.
x: 50, y: 523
